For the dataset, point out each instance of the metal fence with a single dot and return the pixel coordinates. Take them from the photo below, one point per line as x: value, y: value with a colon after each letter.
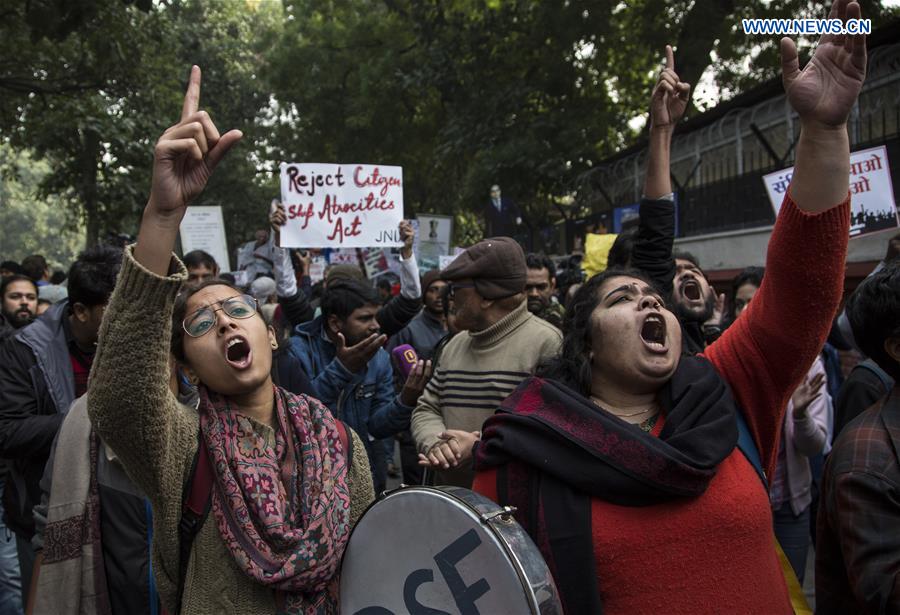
x: 717, y: 169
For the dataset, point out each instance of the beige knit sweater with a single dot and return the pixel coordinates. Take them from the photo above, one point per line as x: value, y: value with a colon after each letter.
x: 155, y: 437
x: 477, y: 371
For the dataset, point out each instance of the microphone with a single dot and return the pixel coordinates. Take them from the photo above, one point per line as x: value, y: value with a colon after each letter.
x: 406, y: 358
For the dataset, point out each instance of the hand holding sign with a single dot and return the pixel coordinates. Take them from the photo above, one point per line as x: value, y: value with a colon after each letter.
x: 407, y: 236
x: 183, y: 161
x: 277, y: 219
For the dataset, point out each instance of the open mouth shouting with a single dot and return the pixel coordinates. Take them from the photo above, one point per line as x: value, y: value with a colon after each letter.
x: 653, y: 333
x: 237, y: 352
x: 690, y: 289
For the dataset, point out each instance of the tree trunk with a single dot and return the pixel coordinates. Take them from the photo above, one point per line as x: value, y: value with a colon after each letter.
x: 699, y: 30
x: 88, y: 185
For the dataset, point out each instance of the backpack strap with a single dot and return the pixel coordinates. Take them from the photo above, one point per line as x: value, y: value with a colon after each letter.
x: 886, y: 381
x: 197, y: 501
x: 346, y: 441
x: 748, y: 447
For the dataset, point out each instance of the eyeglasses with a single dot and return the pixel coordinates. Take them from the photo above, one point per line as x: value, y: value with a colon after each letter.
x: 453, y: 287
x: 204, y: 319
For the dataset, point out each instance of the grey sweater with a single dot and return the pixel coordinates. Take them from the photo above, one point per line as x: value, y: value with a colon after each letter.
x: 155, y: 438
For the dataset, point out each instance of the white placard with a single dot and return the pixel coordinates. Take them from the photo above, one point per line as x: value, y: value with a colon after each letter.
x: 445, y: 260
x: 203, y: 228
x: 873, y: 207
x: 434, y: 239
x: 341, y: 205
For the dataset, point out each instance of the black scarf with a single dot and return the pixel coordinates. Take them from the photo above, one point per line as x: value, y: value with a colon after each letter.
x: 555, y: 450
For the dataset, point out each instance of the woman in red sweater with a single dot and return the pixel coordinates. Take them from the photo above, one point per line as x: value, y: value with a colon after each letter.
x: 622, y: 463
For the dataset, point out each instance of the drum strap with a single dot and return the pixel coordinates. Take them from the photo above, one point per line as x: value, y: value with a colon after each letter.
x: 197, y: 498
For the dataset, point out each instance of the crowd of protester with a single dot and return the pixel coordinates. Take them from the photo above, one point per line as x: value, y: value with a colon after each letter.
x: 180, y: 439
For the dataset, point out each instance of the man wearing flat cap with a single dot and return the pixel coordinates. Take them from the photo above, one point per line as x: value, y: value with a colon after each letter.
x: 500, y: 344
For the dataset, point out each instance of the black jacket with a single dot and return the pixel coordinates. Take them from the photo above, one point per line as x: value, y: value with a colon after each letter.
x: 652, y: 255
x: 866, y: 384
x: 34, y: 397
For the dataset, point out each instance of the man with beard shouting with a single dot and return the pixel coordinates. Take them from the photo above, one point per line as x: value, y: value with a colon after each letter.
x: 677, y: 276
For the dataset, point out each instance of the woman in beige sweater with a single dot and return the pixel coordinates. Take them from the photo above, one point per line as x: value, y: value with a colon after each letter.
x: 289, y: 481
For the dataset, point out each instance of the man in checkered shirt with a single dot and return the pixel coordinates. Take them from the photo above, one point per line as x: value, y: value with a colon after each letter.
x: 858, y: 546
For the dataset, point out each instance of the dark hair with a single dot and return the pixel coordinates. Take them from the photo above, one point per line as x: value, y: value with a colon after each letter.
x: 12, y: 266
x: 199, y: 258
x: 749, y: 275
x: 343, y: 296
x: 34, y: 266
x: 687, y: 256
x: 384, y: 284
x: 572, y: 366
x: 229, y: 278
x: 92, y: 277
x: 620, y: 252
x: 541, y: 261
x: 874, y: 314
x: 58, y: 277
x: 16, y: 277
x: 179, y: 312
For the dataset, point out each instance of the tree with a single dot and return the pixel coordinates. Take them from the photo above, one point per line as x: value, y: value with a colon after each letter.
x: 92, y: 97
x: 30, y: 224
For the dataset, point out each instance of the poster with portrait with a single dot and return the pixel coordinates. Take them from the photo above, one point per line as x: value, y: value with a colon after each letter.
x: 435, y: 233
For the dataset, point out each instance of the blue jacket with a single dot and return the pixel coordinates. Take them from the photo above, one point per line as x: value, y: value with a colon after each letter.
x: 365, y: 401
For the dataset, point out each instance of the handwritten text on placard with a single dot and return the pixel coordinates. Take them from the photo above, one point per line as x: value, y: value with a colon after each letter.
x: 341, y: 205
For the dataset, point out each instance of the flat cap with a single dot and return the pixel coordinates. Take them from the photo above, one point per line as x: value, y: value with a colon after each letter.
x: 430, y: 278
x: 495, y: 265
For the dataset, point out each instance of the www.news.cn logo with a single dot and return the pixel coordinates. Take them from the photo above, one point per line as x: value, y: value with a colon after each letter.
x: 812, y: 27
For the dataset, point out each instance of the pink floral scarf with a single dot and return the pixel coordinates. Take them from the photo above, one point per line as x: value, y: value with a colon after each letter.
x: 284, y: 512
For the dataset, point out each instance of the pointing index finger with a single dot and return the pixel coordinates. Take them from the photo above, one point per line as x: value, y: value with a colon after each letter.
x: 192, y: 96
x: 670, y: 58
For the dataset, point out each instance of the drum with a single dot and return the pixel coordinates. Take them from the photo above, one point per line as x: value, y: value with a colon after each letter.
x: 443, y: 551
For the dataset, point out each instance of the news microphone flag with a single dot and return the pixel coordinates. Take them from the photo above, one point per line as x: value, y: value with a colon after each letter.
x: 406, y: 358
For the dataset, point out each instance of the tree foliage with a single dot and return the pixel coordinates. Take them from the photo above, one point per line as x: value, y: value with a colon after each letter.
x: 461, y: 93
x: 30, y: 224
x: 91, y: 99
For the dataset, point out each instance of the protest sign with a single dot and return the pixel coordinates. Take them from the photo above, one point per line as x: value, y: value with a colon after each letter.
x: 341, y: 205
x: 434, y: 239
x: 375, y: 262
x: 342, y: 256
x: 317, y: 268
x: 445, y: 260
x: 873, y: 207
x: 202, y: 228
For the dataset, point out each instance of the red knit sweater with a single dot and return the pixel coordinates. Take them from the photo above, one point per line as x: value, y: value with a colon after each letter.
x: 715, y: 553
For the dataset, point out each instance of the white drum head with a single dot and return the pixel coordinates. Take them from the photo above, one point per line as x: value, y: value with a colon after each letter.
x: 423, y: 551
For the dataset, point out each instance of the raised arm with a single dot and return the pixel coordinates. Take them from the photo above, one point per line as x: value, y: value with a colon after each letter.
x: 766, y: 352
x: 397, y: 313
x: 183, y: 161
x: 294, y: 301
x: 130, y: 404
x: 652, y: 251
